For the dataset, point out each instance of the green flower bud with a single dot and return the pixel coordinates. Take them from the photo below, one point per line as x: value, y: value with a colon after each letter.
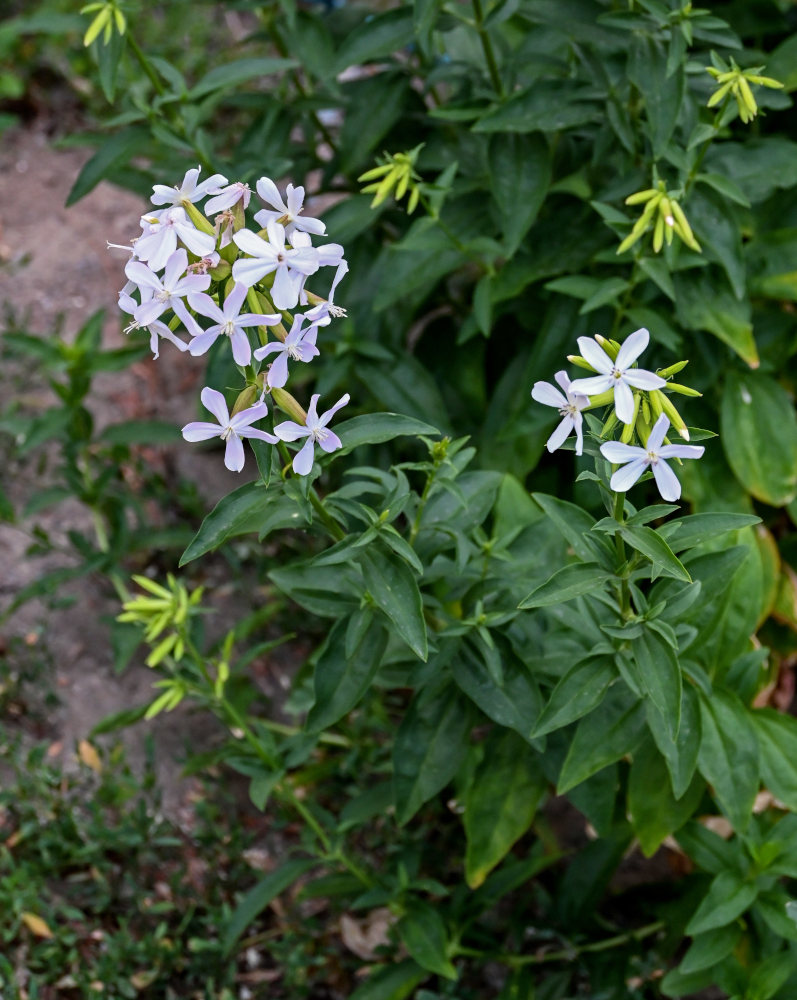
x: 286, y: 402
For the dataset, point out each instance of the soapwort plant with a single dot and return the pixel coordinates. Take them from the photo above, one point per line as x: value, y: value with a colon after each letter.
x: 529, y: 670
x: 549, y: 652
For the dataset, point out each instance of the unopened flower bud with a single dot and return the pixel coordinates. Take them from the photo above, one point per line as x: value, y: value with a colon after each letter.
x: 676, y: 419
x: 286, y: 402
x: 221, y: 271
x: 683, y: 390
x: 579, y: 362
x: 199, y: 220
x: 672, y: 369
x: 628, y: 429
x: 611, y: 347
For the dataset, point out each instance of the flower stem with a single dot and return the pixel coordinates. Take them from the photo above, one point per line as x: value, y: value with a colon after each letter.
x: 487, y: 48
x: 625, y: 595
x: 568, y: 954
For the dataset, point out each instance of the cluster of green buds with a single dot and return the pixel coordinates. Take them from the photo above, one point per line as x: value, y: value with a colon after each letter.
x: 649, y: 404
x: 161, y: 609
x: 108, y: 15
x: 735, y: 82
x: 395, y: 173
x: 663, y: 213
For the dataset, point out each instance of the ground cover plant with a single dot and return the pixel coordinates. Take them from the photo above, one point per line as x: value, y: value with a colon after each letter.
x: 551, y: 227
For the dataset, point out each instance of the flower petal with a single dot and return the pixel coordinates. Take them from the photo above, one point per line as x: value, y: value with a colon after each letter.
x: 642, y: 379
x: 241, y: 348
x: 625, y: 478
x: 578, y: 420
x: 681, y: 451
x: 175, y: 268
x: 248, y: 416
x: 303, y: 459
x: 255, y: 432
x: 249, y: 270
x: 545, y: 393
x: 254, y: 245
x: 285, y: 290
x: 623, y: 401
x: 278, y: 372
x: 269, y: 348
x: 633, y: 345
x: 234, y: 453
x: 594, y: 354
x: 666, y: 480
x: 616, y: 452
x: 330, y: 442
x: 326, y: 417
x: 199, y: 430
x: 201, y: 344
x: 268, y: 191
x: 656, y: 436
x: 205, y: 306
x: 213, y: 400
x: 234, y: 301
x: 563, y: 428
x: 592, y: 386
x: 289, y: 430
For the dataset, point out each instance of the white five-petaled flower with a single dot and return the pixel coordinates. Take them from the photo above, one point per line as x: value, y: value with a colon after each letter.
x: 314, y: 429
x: 228, y: 323
x: 156, y: 328
x: 323, y: 313
x: 299, y: 345
x: 189, y: 190
x: 161, y: 232
x: 225, y: 197
x: 160, y: 294
x: 617, y: 374
x: 570, y: 404
x: 289, y: 215
x: 290, y: 266
x: 229, y: 429
x: 652, y: 456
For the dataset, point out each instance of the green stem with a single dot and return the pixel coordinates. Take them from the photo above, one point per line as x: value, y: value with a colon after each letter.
x: 145, y: 64
x: 568, y: 954
x: 705, y: 147
x: 625, y: 595
x: 330, y: 523
x: 487, y: 48
x: 455, y: 241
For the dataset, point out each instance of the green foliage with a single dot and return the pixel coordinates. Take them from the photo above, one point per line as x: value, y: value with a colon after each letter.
x: 484, y: 647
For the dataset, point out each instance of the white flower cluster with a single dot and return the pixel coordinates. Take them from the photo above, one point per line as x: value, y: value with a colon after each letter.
x: 615, y: 380
x: 268, y: 270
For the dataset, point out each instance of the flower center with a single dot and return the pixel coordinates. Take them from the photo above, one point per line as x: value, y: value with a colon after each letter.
x: 617, y: 374
x: 651, y: 458
x: 320, y: 434
x: 229, y: 328
x: 568, y: 411
x: 163, y: 295
x: 228, y: 432
x: 294, y: 353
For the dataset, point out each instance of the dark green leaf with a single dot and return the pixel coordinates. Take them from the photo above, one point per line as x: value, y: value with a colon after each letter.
x: 257, y: 899
x: 376, y: 37
x: 759, y: 434
x: 651, y: 544
x: 777, y: 737
x: 681, y: 753
x: 580, y: 690
x: 341, y: 679
x: 238, y: 72
x: 660, y: 677
x: 430, y: 744
x: 727, y: 898
x: 520, y: 167
x: 391, y: 982
x: 501, y: 803
x: 394, y: 588
x: 515, y: 702
x: 654, y: 811
x: 374, y: 428
x: 728, y: 757
x: 116, y: 149
x: 610, y: 732
x: 566, y: 584
x: 424, y: 935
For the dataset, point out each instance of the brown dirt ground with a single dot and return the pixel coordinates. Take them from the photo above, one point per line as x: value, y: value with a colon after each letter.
x: 54, y: 267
